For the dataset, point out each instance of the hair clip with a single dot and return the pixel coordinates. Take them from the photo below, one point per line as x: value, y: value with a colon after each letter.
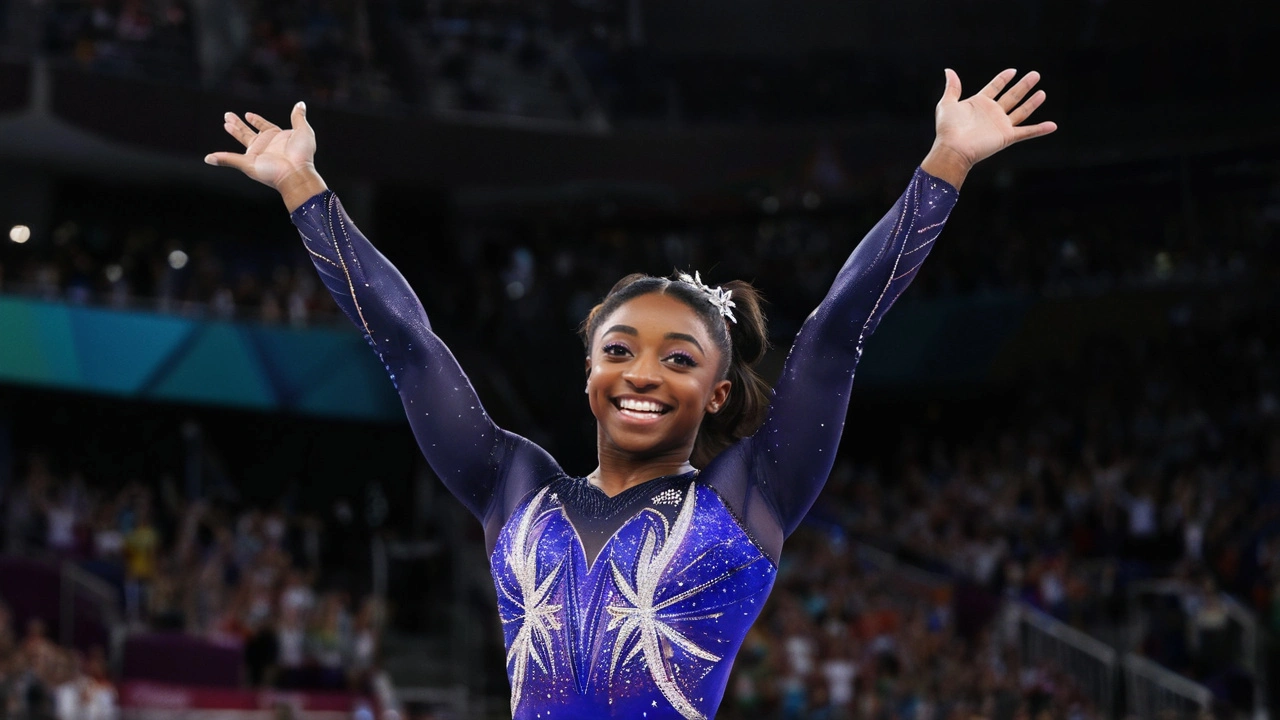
x: 717, y: 296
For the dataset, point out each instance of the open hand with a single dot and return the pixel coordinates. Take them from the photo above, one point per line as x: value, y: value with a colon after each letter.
x: 271, y: 155
x: 978, y: 127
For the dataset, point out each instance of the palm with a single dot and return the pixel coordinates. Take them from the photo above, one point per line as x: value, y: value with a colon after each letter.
x: 271, y: 154
x: 276, y: 154
x: 980, y: 126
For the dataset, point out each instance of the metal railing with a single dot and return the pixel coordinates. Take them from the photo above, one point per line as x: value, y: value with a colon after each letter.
x: 77, y: 590
x: 1246, y: 632
x: 1044, y: 640
x: 79, y: 583
x: 1152, y: 691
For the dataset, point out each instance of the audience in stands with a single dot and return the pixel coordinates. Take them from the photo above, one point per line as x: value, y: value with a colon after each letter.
x: 41, y: 681
x: 575, y: 60
x: 547, y: 269
x: 252, y: 577
x: 840, y: 639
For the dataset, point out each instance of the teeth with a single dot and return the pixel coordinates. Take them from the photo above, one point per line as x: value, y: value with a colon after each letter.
x: 640, y: 405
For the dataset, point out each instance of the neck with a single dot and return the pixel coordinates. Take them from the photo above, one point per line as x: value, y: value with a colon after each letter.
x: 617, y: 472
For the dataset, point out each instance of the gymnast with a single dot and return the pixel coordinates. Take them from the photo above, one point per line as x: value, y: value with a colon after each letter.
x: 627, y: 593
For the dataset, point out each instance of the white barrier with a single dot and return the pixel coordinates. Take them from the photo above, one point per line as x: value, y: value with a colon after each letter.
x: 1248, y: 632
x: 1151, y: 691
x: 1046, y: 641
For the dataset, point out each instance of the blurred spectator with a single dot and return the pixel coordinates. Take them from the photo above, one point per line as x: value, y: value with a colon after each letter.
x: 39, y: 680
x: 199, y: 568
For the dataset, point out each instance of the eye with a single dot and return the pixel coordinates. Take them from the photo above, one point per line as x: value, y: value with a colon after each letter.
x: 615, y: 349
x: 683, y: 359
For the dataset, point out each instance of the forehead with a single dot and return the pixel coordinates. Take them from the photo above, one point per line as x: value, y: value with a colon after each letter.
x: 658, y: 314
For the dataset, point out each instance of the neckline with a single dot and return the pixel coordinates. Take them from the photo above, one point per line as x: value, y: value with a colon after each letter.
x: 634, y: 489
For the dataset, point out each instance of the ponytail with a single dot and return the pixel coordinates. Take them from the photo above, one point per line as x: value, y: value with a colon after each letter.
x: 749, y: 394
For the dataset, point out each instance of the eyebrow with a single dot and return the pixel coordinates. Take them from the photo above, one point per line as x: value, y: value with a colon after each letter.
x: 687, y: 338
x: 628, y: 330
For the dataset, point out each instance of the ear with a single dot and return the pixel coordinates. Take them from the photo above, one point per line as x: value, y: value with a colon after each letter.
x: 588, y: 366
x: 719, y: 396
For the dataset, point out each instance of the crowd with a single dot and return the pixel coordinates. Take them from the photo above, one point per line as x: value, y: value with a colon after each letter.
x: 282, y: 586
x: 1142, y: 458
x: 489, y: 56
x: 147, y: 38
x: 97, y: 260
x: 579, y: 60
x: 494, y: 57
x: 40, y: 680
x: 323, y: 51
x: 1050, y: 234
x: 841, y: 638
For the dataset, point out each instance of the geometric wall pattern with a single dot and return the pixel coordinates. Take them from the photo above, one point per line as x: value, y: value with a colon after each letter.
x: 329, y: 372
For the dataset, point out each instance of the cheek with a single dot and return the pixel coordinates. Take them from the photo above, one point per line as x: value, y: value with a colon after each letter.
x: 597, y: 382
x: 698, y: 390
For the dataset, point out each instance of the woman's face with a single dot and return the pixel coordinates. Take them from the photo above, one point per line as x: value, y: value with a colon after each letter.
x: 653, y: 372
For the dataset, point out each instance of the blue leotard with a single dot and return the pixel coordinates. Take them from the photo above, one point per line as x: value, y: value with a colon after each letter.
x: 630, y: 606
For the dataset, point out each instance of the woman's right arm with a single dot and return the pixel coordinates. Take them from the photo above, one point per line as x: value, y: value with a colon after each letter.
x: 472, y: 455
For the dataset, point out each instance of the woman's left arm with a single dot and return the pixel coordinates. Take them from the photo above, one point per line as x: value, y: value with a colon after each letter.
x: 789, y: 458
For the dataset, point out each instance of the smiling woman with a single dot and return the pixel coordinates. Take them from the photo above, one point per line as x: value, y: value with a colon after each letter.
x: 628, y: 592
x: 712, y: 336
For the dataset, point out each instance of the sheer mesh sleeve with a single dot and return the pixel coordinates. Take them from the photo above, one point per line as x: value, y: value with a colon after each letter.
x: 772, y: 478
x: 487, y: 468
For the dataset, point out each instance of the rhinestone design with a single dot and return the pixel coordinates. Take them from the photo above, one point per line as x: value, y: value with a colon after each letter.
x: 539, y: 617
x: 717, y: 296
x: 670, y: 496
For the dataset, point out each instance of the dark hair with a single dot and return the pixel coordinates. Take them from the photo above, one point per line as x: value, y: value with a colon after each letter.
x: 741, y: 344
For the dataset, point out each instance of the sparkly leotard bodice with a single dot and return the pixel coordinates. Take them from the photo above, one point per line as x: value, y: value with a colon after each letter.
x: 630, y: 606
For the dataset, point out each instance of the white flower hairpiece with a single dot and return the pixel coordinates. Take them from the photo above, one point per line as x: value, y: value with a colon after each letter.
x: 717, y: 296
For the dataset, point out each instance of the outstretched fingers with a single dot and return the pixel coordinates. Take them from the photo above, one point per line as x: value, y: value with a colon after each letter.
x: 1023, y: 111
x: 232, y: 160
x: 993, y: 88
x: 1033, y: 131
x: 1014, y: 95
x: 952, y: 92
x: 236, y: 128
x: 261, y: 123
x: 298, y: 118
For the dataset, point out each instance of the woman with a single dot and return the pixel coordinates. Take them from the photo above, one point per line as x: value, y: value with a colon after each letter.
x: 627, y: 593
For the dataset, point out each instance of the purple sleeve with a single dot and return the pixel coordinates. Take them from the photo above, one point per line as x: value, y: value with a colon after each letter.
x: 772, y: 478
x: 485, y: 467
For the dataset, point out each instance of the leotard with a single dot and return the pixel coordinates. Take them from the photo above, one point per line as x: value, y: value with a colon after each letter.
x: 630, y: 606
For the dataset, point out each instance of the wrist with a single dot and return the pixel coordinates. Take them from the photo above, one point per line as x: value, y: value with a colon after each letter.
x: 300, y: 185
x: 946, y: 164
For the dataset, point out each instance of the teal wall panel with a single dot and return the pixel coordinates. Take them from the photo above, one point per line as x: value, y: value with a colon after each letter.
x: 22, y: 350
x: 218, y: 366
x: 320, y: 371
x: 117, y: 351
x: 52, y: 325
x: 352, y: 379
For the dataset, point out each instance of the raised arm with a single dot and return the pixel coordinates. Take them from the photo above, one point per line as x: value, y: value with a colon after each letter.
x: 483, y: 466
x: 774, y: 476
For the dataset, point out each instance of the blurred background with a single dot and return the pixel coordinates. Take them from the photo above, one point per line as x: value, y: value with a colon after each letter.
x: 1058, y: 491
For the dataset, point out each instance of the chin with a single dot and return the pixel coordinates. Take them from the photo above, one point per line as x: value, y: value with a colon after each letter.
x: 642, y: 447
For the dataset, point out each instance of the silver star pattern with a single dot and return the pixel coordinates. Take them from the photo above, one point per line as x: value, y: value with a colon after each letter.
x: 533, y: 640
x: 644, y: 620
x: 717, y: 295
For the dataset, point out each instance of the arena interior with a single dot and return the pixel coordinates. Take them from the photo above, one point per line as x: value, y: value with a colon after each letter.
x: 1058, y: 492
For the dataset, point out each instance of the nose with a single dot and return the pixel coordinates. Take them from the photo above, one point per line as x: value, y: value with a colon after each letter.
x: 644, y: 373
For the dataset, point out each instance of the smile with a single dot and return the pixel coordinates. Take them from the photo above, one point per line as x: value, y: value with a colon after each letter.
x: 640, y: 409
